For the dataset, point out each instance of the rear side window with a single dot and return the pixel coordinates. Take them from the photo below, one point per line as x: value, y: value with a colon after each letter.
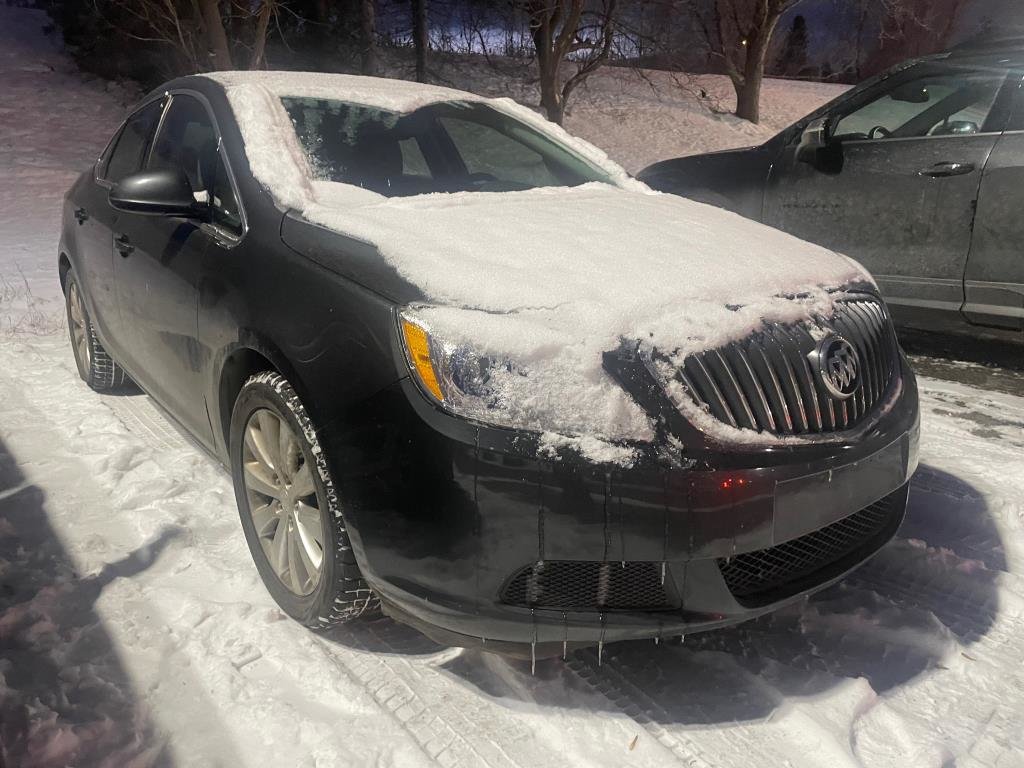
x: 187, y: 140
x: 129, y: 148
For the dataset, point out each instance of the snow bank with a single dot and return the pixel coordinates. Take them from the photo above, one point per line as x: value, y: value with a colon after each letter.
x: 547, y: 280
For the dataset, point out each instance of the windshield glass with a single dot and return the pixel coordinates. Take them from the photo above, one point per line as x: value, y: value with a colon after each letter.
x: 447, y: 147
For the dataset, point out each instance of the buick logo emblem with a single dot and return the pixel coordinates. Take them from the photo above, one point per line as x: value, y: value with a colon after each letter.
x: 839, y: 366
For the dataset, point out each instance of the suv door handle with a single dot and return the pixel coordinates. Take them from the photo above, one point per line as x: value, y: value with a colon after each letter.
x: 123, y: 245
x: 81, y: 215
x: 941, y: 170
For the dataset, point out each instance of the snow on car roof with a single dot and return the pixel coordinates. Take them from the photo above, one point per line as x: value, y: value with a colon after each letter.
x: 380, y: 92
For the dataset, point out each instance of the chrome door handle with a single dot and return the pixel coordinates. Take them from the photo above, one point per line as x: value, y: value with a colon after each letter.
x: 123, y: 245
x: 81, y: 215
x: 942, y: 170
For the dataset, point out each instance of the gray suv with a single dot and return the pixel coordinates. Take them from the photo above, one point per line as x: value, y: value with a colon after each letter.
x: 918, y: 174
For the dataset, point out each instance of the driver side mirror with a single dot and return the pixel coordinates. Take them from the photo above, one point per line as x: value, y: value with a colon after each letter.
x: 816, y: 136
x: 165, y: 192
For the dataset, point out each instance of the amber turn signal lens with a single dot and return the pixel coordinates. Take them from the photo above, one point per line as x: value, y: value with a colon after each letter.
x: 417, y: 343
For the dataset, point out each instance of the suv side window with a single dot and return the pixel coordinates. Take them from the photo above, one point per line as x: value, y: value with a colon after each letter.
x: 129, y: 148
x: 952, y: 103
x: 188, y: 140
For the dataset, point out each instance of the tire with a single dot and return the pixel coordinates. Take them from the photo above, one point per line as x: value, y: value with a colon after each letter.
x: 95, y: 366
x: 338, y: 593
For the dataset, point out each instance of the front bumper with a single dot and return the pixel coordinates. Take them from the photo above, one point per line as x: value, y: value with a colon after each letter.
x: 443, y: 515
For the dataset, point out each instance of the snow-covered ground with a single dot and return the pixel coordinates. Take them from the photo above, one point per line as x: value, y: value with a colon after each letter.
x: 134, y: 630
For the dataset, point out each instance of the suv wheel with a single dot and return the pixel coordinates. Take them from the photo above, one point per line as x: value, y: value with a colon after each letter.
x: 289, y: 507
x: 95, y: 366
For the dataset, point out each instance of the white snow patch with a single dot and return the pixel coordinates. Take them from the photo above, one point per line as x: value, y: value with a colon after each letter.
x: 597, y: 451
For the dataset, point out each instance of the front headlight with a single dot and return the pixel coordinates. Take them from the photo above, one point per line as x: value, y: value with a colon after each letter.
x: 535, y: 386
x: 454, y: 374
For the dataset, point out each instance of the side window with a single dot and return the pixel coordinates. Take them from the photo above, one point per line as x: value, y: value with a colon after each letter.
x: 129, y: 148
x: 223, y: 203
x: 944, y: 104
x: 487, y: 151
x: 187, y: 140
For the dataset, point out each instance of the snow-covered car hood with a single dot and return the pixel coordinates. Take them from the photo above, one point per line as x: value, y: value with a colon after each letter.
x: 549, y: 279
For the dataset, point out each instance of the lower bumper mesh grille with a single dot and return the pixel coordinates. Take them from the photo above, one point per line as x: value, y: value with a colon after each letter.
x: 588, y: 585
x: 767, y: 571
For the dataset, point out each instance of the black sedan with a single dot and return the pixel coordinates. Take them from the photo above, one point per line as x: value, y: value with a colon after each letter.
x: 918, y: 174
x: 463, y: 369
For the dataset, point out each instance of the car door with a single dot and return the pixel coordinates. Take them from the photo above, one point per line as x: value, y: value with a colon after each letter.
x: 95, y: 219
x: 159, y: 264
x: 897, y: 186
x: 994, y: 279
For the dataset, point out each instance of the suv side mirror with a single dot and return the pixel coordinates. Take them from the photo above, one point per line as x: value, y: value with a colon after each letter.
x: 958, y: 128
x: 816, y: 135
x: 165, y: 192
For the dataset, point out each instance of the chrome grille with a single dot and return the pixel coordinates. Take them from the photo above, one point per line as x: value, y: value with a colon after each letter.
x: 766, y: 382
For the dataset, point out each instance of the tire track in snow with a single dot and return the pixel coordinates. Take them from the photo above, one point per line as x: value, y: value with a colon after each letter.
x: 632, y: 701
x: 422, y: 704
x: 142, y: 417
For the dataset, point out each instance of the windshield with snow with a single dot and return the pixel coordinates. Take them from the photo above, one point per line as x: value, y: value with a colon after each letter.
x: 447, y: 147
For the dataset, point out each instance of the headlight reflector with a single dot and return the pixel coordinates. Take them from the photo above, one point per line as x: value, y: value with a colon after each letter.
x: 417, y: 347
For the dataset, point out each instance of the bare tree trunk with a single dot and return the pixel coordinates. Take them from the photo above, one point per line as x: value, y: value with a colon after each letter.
x: 259, y: 43
x: 548, y: 62
x: 748, y: 99
x: 748, y: 92
x: 368, y: 35
x: 551, y: 99
x: 420, y: 38
x: 550, y: 94
x: 739, y: 36
x: 216, y: 38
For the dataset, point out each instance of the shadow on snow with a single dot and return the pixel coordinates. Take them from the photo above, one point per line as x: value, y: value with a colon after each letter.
x: 65, y: 697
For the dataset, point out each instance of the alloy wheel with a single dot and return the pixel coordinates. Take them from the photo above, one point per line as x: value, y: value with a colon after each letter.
x: 79, y: 325
x: 283, y: 501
